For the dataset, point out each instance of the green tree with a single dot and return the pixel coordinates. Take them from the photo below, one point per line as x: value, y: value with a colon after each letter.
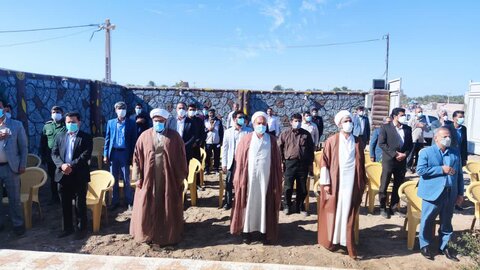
x: 151, y: 84
x: 278, y: 87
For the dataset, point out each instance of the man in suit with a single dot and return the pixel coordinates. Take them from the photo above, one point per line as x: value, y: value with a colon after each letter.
x: 395, y: 140
x: 198, y: 128
x: 70, y: 153
x: 13, y: 160
x: 230, y: 142
x: 444, y: 122
x: 361, y: 126
x: 461, y: 135
x: 141, y: 119
x: 440, y: 187
x: 120, y: 139
x: 318, y: 120
x: 186, y: 128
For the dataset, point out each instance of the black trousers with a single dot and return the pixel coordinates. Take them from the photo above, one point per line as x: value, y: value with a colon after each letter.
x: 70, y: 189
x: 212, y: 150
x: 398, y: 169
x: 51, y: 174
x: 295, y: 170
x: 229, y: 185
x: 412, y: 158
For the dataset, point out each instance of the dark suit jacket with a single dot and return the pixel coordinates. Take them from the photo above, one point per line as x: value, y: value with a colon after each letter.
x: 318, y: 120
x: 190, y: 136
x: 462, y: 146
x: 82, y: 152
x: 390, y: 142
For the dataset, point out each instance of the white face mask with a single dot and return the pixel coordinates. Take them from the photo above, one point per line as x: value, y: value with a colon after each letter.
x: 192, y: 113
x: 296, y: 125
x: 446, y: 141
x: 402, y: 119
x: 121, y: 113
x: 56, y: 117
x: 347, y: 127
x: 445, y: 118
x: 181, y: 112
x: 138, y: 111
x: 420, y: 114
x: 361, y: 113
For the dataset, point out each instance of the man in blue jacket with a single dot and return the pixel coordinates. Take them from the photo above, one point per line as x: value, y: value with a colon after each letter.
x: 120, y: 141
x: 441, y: 188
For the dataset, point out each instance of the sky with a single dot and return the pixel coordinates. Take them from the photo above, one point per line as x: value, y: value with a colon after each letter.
x: 251, y: 44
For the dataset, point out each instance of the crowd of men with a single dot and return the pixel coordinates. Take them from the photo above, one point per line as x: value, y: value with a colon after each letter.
x: 256, y: 155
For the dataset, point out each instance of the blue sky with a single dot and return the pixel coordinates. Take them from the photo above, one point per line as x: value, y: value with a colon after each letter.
x: 244, y: 43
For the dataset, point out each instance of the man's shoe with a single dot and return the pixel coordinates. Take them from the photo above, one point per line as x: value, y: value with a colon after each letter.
x: 458, y: 208
x: 426, y: 253
x: 384, y: 213
x: 19, y: 231
x: 286, y: 210
x: 227, y: 206
x: 449, y: 254
x: 64, y: 234
x: 246, y: 238
x: 397, y: 213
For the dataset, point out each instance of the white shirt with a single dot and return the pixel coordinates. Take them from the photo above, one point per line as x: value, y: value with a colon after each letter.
x: 3, y: 154
x: 274, y: 125
x: 213, y: 137
x: 230, y: 120
x: 401, y: 133
x: 70, y: 143
x: 313, y: 129
x: 180, y: 126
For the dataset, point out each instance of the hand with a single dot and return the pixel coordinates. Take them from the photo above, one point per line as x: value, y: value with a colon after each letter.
x: 401, y: 156
x: 224, y: 169
x: 66, y: 169
x: 420, y: 125
x: 448, y: 170
x: 138, y: 183
x: 459, y: 200
x: 105, y: 160
x: 21, y: 170
x: 327, y: 189
x: 3, y: 136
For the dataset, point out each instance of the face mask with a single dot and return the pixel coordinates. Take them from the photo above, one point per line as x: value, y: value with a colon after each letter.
x: 56, y: 117
x: 361, y: 113
x: 260, y: 129
x: 314, y: 113
x: 460, y: 121
x: 240, y: 121
x: 347, y: 127
x: 402, y: 119
x: 138, y: 111
x: 296, y: 125
x: 121, y: 113
x: 211, y: 117
x: 192, y: 113
x: 181, y: 112
x: 1, y: 113
x: 9, y: 115
x: 72, y: 127
x: 419, y: 114
x: 308, y: 118
x: 158, y: 126
x: 205, y: 112
x: 446, y: 141
x: 445, y: 118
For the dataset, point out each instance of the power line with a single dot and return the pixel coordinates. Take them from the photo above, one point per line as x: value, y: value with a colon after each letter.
x: 48, y: 28
x: 308, y: 45
x: 42, y: 40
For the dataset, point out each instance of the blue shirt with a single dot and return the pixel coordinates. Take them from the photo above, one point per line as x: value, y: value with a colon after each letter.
x: 120, y: 135
x: 446, y: 162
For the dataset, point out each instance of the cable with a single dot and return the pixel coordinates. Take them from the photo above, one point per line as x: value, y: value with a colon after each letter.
x: 48, y: 29
x: 307, y: 46
x: 42, y: 40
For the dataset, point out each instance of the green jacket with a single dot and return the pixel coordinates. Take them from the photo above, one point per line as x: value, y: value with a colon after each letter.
x: 50, y: 131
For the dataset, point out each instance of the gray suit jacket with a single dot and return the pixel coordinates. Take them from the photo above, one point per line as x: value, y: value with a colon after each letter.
x: 16, y: 145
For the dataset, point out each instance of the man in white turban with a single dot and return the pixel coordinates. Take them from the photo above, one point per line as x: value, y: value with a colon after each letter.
x: 342, y: 182
x: 257, y: 184
x: 159, y: 169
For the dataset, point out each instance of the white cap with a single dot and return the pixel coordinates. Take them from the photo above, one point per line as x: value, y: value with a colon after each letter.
x: 340, y: 115
x: 257, y: 114
x: 159, y: 112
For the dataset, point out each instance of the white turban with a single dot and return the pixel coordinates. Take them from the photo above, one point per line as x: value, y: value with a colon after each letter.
x: 257, y: 114
x: 159, y: 112
x: 340, y: 115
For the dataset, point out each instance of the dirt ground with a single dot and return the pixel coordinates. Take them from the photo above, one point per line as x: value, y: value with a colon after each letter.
x: 383, y: 245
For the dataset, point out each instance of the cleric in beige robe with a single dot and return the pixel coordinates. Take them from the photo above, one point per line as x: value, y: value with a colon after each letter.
x: 342, y: 182
x: 257, y: 184
x: 159, y: 169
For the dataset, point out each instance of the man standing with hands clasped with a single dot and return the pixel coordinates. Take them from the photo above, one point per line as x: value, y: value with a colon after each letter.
x: 441, y: 188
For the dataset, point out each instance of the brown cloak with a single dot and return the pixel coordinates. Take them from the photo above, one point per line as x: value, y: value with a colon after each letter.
x: 157, y: 208
x: 240, y: 184
x: 327, y: 208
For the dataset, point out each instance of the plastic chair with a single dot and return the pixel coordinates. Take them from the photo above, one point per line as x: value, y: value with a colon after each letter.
x: 473, y: 194
x: 221, y: 189
x: 121, y: 184
x: 316, y: 166
x: 356, y: 229
x: 33, y: 160
x: 190, y: 183
x: 203, y: 156
x: 414, y: 210
x: 100, y: 182
x: 367, y: 157
x: 30, y: 181
x: 97, y: 151
x: 473, y: 170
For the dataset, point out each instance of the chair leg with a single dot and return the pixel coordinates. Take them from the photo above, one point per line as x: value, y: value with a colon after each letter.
x: 473, y: 223
x: 40, y: 211
x: 202, y: 178
x: 99, y: 162
x: 405, y: 222
x: 371, y: 201
x: 412, y: 231
x: 220, y: 189
x: 357, y: 229
x: 97, y: 217
x: 367, y: 197
x: 27, y: 214
x: 104, y: 208
x: 193, y: 194
x: 307, y: 197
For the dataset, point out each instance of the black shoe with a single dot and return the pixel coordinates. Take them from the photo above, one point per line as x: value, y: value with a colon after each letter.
x: 449, y: 254
x: 113, y: 207
x: 458, y: 208
x: 384, y: 213
x: 426, y: 253
x: 79, y: 235
x: 286, y: 210
x: 227, y: 206
x: 397, y: 213
x: 19, y: 231
x: 64, y: 234
x: 246, y: 238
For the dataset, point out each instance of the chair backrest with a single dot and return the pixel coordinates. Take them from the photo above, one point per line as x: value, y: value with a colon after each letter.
x: 100, y: 180
x: 367, y: 157
x: 317, y: 162
x: 98, y: 144
x: 374, y: 173
x: 33, y: 160
x: 193, y: 168
x: 33, y: 176
x: 203, y: 156
x: 474, y: 168
x: 409, y: 189
x: 473, y: 192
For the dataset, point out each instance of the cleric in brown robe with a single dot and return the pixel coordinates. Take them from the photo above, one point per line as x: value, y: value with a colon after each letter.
x: 159, y: 169
x: 342, y: 182
x: 257, y: 184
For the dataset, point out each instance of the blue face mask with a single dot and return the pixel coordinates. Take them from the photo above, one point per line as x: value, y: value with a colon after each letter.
x: 1, y: 113
x: 460, y: 121
x: 158, y: 126
x: 240, y: 121
x: 72, y: 127
x: 205, y: 112
x: 9, y: 115
x: 260, y: 129
x: 308, y: 118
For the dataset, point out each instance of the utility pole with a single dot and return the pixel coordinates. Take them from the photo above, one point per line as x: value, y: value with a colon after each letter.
x: 387, y: 37
x: 108, y: 60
